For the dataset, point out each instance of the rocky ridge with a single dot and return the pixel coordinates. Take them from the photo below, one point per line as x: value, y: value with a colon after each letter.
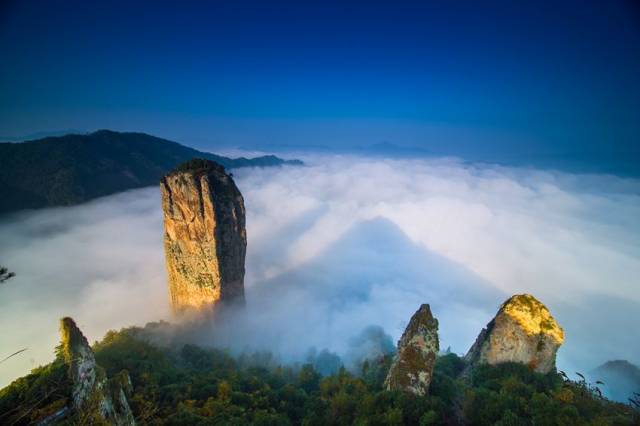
x: 205, y: 238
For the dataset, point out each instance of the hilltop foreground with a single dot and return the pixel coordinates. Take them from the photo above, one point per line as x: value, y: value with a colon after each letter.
x: 184, y: 384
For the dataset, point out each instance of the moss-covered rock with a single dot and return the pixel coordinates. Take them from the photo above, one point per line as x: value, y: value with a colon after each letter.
x: 523, y: 331
x: 412, y: 368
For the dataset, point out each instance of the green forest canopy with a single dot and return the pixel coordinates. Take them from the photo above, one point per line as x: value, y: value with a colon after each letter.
x: 194, y: 385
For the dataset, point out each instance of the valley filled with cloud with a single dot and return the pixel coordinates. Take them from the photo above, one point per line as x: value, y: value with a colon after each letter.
x: 344, y: 243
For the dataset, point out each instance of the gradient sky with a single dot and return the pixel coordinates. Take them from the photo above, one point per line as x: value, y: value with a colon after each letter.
x: 527, y: 76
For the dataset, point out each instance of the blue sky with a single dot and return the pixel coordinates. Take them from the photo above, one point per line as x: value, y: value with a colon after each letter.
x: 540, y: 77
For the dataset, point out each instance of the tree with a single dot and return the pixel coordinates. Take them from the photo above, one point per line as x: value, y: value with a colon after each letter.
x: 5, y: 274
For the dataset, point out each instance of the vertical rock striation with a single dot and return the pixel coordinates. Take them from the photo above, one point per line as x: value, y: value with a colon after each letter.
x: 412, y: 367
x: 205, y: 239
x: 78, y: 355
x: 95, y: 398
x: 522, y: 331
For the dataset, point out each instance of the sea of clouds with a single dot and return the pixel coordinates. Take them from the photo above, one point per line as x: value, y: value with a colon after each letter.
x: 342, y: 244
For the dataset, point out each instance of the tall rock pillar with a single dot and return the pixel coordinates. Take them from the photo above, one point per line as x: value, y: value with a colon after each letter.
x: 205, y: 239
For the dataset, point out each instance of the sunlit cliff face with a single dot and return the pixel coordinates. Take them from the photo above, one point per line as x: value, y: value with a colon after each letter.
x: 522, y: 331
x: 533, y: 317
x: 205, y: 237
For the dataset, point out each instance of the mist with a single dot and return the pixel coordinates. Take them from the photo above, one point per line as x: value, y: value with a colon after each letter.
x: 343, y: 246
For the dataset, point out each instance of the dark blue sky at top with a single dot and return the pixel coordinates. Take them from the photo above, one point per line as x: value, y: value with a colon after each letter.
x: 544, y: 77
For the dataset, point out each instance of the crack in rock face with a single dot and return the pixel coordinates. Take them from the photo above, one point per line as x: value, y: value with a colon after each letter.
x: 205, y: 238
x: 412, y: 367
x: 522, y: 331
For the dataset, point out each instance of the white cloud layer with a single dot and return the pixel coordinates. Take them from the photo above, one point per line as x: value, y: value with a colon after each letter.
x: 344, y: 243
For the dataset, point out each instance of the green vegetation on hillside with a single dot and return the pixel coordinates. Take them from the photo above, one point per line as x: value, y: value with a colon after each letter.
x: 191, y: 385
x: 67, y: 170
x: 195, y: 165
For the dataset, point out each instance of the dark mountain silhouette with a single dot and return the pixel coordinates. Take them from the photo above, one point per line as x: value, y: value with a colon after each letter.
x: 41, y: 135
x: 620, y: 377
x: 71, y: 169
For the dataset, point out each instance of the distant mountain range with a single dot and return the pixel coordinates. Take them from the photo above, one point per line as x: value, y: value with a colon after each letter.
x: 624, y: 164
x: 41, y: 135
x: 71, y: 169
x: 621, y: 379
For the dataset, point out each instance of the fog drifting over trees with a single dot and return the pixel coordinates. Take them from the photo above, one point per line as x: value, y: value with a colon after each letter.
x: 345, y: 243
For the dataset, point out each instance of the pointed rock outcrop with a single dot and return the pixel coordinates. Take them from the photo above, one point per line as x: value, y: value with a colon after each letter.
x: 95, y: 399
x: 412, y: 367
x: 205, y: 239
x: 522, y: 331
